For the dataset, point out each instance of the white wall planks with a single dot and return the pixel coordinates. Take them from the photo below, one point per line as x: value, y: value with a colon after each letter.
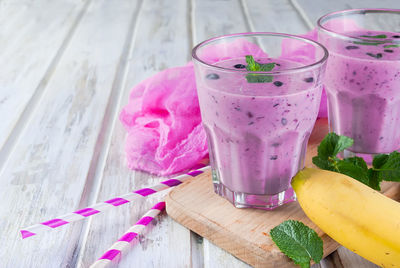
x: 47, y: 171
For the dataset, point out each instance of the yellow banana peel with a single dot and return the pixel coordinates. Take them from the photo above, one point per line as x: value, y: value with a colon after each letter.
x: 356, y: 216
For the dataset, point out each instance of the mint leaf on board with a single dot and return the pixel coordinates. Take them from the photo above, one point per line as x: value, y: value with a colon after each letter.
x: 332, y: 144
x: 380, y: 36
x: 298, y: 241
x: 254, y: 66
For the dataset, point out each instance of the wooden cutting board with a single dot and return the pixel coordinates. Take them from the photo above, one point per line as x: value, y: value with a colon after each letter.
x: 245, y: 232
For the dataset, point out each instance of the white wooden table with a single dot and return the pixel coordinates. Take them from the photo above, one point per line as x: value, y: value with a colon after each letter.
x: 66, y: 69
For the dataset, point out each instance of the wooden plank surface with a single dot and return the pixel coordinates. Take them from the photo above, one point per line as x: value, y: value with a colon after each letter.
x: 29, y: 55
x: 66, y: 68
x: 47, y: 173
x: 166, y: 26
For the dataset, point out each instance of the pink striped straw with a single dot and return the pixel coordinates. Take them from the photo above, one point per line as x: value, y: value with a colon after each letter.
x: 122, y: 245
x: 106, y: 205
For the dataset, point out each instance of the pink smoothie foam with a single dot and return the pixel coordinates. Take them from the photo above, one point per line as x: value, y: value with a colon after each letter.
x: 258, y: 132
x: 363, y: 86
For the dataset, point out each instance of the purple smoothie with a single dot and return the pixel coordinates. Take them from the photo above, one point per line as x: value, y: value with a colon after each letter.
x: 258, y: 132
x: 363, y: 86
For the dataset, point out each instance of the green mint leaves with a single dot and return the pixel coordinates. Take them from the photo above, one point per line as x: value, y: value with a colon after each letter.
x: 387, y: 166
x: 254, y: 66
x: 368, y: 43
x: 389, y: 46
x: 384, y: 166
x: 332, y: 144
x: 298, y: 241
x: 379, y: 36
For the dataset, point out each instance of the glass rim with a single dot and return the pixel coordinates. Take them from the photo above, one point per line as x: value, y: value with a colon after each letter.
x: 351, y: 12
x: 315, y: 64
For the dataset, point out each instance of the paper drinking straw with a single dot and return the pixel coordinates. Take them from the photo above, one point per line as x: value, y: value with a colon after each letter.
x: 116, y: 251
x: 106, y: 205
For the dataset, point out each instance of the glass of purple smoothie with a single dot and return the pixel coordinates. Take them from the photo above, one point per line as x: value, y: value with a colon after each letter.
x: 363, y: 78
x: 258, y: 119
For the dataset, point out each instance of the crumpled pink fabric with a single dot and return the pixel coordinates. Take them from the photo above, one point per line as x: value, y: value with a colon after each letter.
x: 162, y: 118
x: 163, y: 121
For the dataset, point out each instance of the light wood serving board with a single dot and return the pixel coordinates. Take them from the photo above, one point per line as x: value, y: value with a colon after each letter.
x: 245, y: 232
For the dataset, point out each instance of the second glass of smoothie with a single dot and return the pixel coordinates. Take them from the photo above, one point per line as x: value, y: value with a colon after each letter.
x: 258, y: 115
x: 363, y: 78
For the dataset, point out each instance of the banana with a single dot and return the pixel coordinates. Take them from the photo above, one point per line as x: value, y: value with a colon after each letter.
x: 356, y: 216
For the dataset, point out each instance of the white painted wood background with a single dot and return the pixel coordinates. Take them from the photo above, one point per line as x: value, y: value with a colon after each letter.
x: 66, y: 68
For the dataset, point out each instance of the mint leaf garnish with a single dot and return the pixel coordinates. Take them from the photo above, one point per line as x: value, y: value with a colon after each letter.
x: 368, y: 43
x: 384, y: 167
x: 254, y: 66
x: 380, y: 36
x: 389, y: 46
x: 298, y: 241
x: 259, y: 78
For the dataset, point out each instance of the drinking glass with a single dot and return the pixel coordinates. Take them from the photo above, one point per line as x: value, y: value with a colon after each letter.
x: 363, y: 78
x: 258, y: 122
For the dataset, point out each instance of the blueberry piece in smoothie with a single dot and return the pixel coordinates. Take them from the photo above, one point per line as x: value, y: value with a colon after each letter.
x: 284, y: 121
x: 376, y: 56
x: 273, y: 157
x: 396, y: 36
x: 212, y: 76
x: 249, y: 114
x: 278, y: 83
x: 352, y: 47
x: 309, y: 80
x: 388, y: 50
x: 239, y: 66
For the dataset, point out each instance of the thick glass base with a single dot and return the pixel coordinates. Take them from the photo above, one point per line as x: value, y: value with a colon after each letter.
x: 244, y: 200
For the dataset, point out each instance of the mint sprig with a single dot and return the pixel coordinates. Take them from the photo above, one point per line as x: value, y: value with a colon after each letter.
x: 254, y: 66
x: 384, y: 166
x: 298, y: 241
